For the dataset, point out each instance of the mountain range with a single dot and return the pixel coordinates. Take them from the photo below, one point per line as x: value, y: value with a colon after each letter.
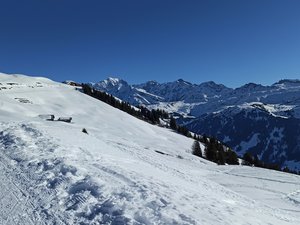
x: 262, y: 120
x: 108, y: 167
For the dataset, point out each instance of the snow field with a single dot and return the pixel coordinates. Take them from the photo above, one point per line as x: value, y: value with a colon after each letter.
x: 52, y: 173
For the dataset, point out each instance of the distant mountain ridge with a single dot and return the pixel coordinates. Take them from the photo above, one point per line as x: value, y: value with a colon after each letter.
x: 206, y: 97
x: 152, y: 92
x: 217, y: 110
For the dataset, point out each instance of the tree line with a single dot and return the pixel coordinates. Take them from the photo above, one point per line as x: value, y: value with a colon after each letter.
x: 141, y: 112
x: 214, y: 151
x: 153, y: 116
x: 252, y: 160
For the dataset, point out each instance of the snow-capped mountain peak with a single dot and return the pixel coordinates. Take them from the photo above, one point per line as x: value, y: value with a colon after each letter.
x: 113, y: 80
x: 183, y: 82
x: 122, y: 170
x: 113, y: 85
x: 287, y: 83
x: 250, y: 102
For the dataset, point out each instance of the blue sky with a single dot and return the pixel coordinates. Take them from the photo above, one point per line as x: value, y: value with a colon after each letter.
x: 231, y: 42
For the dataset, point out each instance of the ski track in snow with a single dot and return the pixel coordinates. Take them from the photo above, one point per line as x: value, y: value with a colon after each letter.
x: 22, y: 179
x: 25, y: 190
x: 30, y: 196
x: 124, y: 172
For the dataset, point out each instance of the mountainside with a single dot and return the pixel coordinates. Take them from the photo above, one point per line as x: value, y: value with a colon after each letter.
x: 250, y: 113
x: 53, y: 173
x: 273, y: 139
x: 152, y: 92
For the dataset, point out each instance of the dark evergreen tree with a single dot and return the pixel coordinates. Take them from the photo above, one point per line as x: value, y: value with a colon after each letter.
x: 221, y: 156
x: 183, y: 130
x: 195, y: 136
x: 257, y: 162
x: 286, y: 170
x: 248, y: 159
x: 196, y: 149
x: 231, y: 157
x: 211, y: 152
x: 173, y: 124
x: 204, y: 138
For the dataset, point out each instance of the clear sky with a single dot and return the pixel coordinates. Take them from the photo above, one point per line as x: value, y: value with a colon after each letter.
x: 228, y: 41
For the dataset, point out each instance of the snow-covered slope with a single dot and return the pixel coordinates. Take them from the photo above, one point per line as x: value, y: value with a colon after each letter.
x: 120, y: 88
x: 207, y: 97
x: 216, y: 110
x: 254, y: 128
x: 153, y: 93
x: 124, y: 171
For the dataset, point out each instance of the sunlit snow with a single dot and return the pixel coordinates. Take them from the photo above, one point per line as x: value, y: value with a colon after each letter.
x: 124, y: 171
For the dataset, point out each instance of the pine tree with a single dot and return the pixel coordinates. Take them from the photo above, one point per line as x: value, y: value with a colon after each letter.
x: 221, y: 156
x: 211, y: 151
x: 257, y: 162
x: 204, y: 138
x: 232, y: 158
x: 248, y: 159
x: 195, y: 136
x: 286, y: 169
x: 196, y: 149
x: 173, y: 124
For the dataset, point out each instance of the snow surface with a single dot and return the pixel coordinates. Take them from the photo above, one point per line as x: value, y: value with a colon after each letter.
x: 124, y: 171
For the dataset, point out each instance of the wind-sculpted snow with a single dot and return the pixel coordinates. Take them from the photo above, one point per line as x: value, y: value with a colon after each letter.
x: 124, y: 171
